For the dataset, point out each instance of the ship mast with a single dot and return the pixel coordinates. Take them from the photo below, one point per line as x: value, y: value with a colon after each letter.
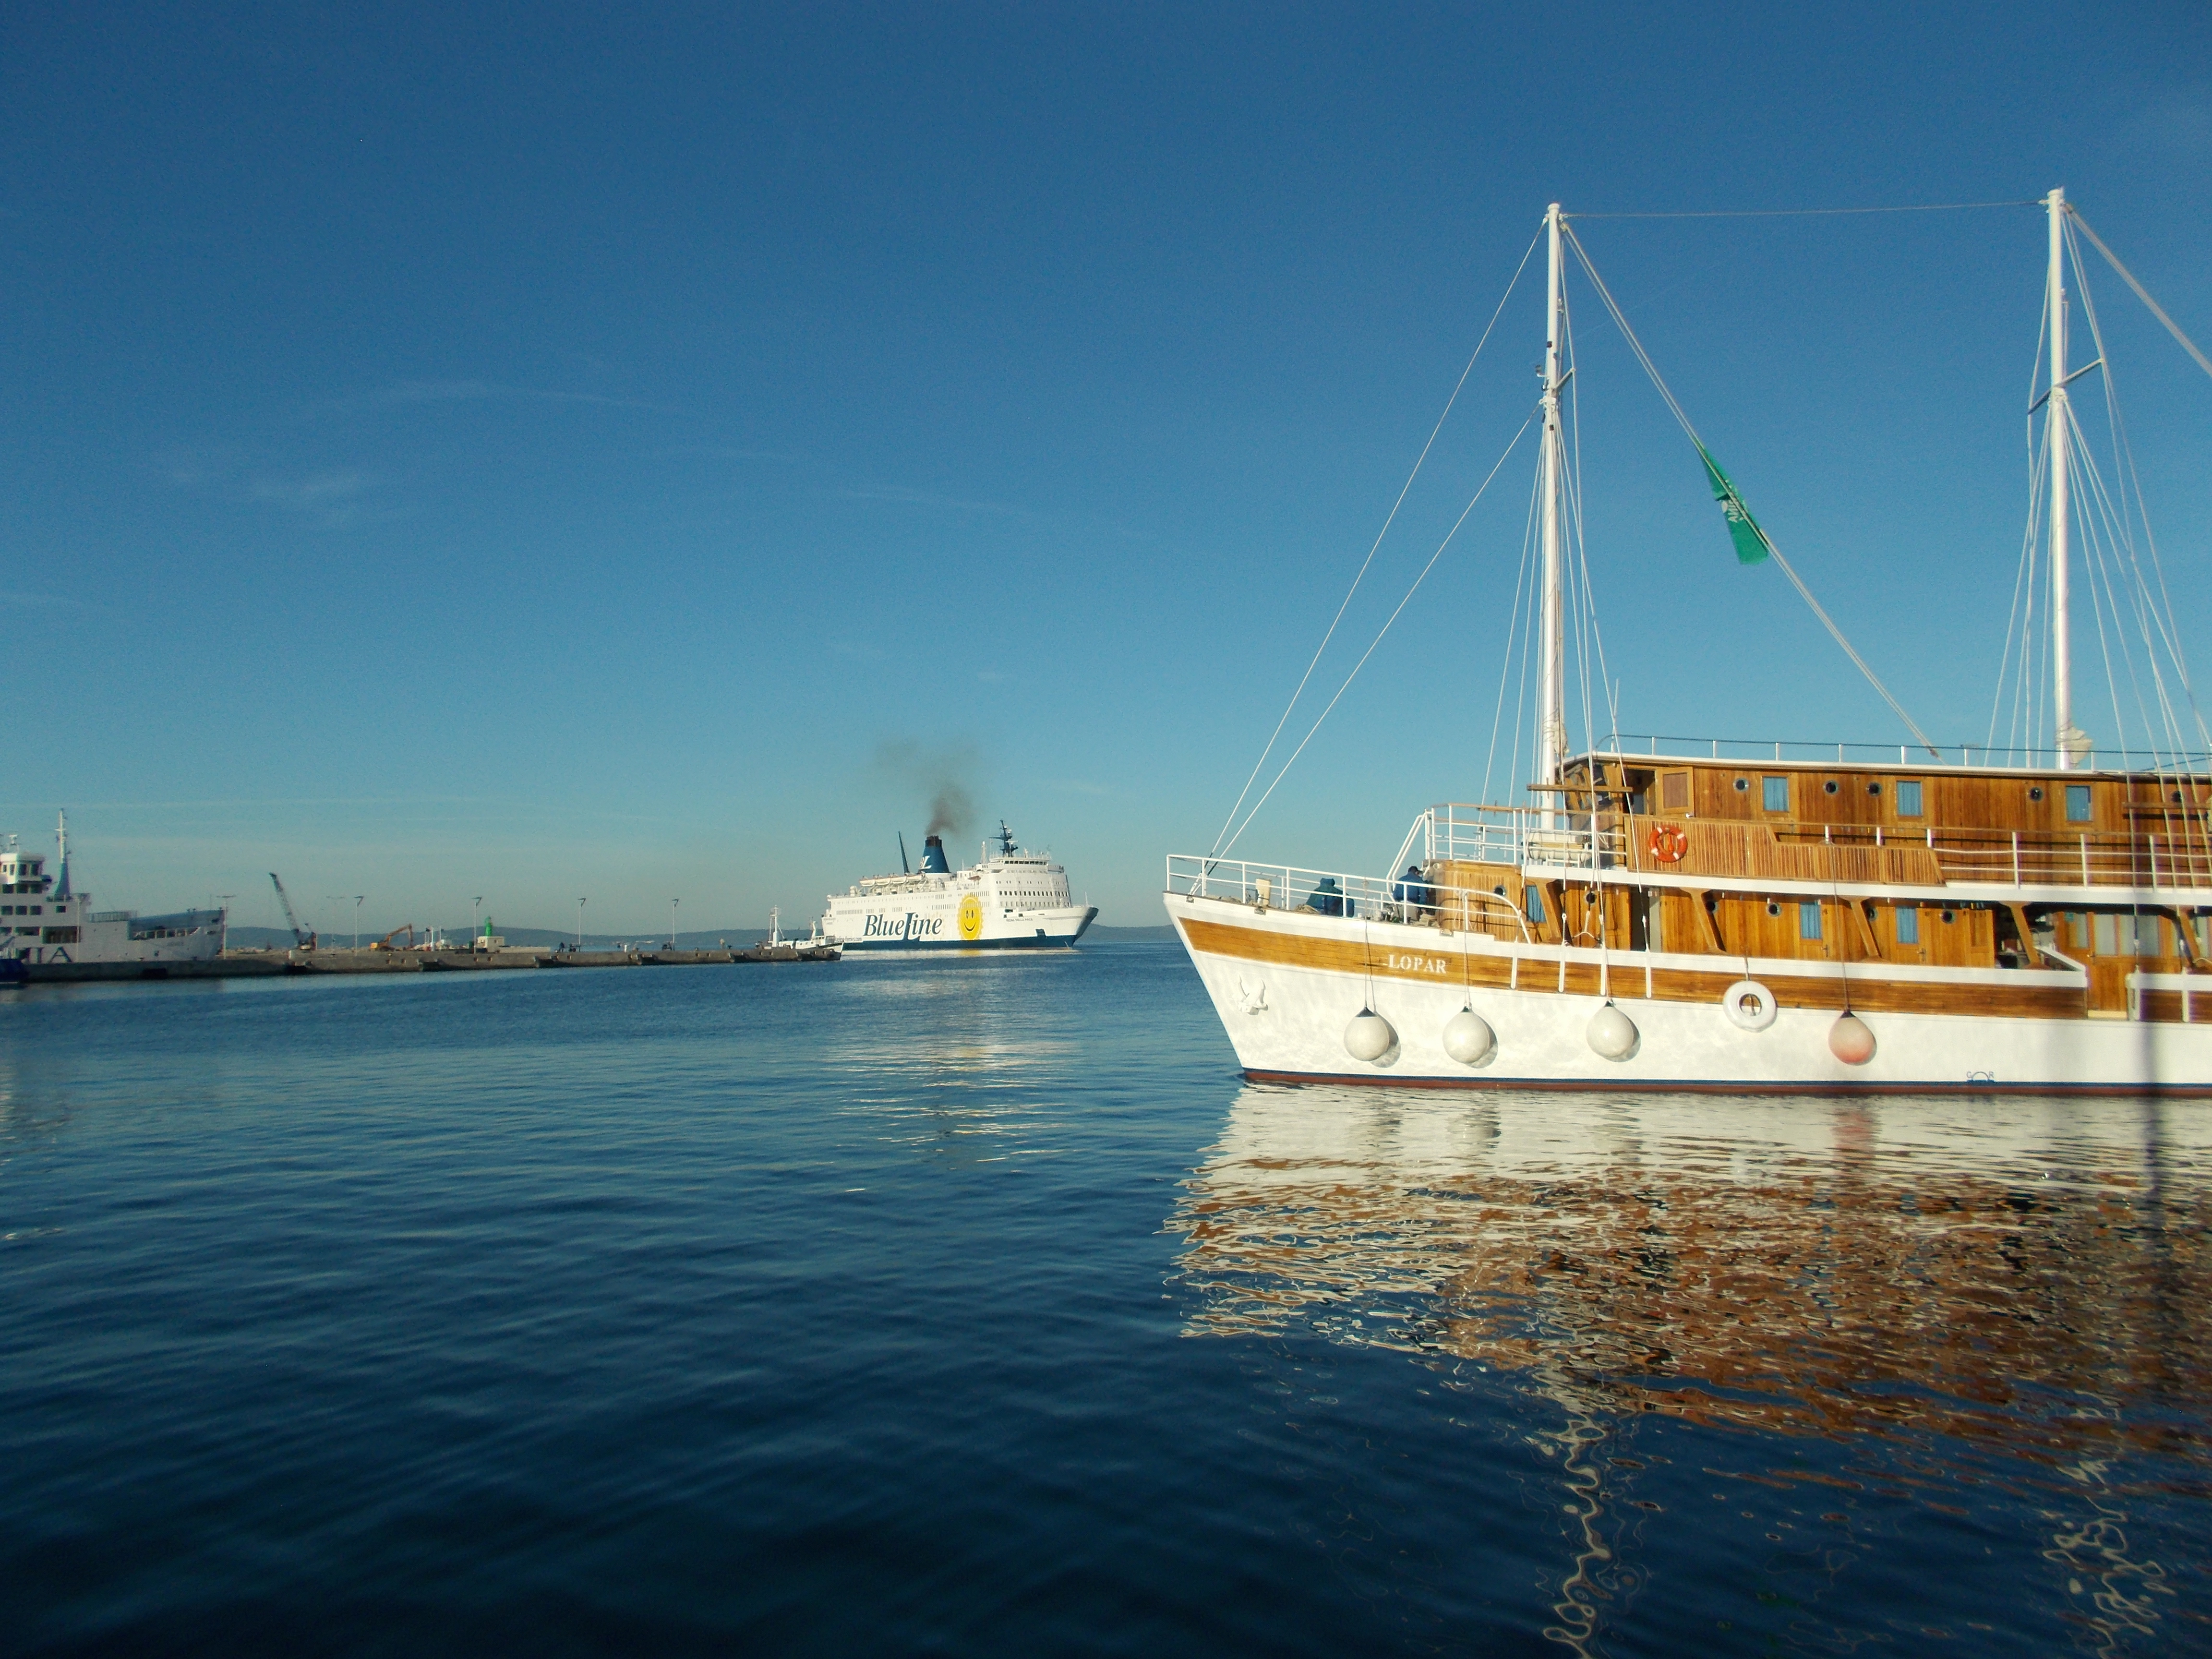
x: 2072, y: 742
x: 1552, y: 715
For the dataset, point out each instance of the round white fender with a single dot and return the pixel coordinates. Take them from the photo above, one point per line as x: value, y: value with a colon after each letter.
x: 1849, y: 1039
x: 1370, y: 1037
x: 1748, y: 1004
x: 1468, y: 1039
x: 1613, y: 1034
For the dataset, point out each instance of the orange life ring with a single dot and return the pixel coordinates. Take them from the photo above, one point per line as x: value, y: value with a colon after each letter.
x: 1668, y: 843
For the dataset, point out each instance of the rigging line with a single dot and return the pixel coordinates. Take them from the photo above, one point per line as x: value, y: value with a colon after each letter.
x: 1456, y: 388
x: 2124, y: 453
x: 2097, y: 502
x: 2142, y: 293
x: 2156, y: 623
x: 2015, y: 625
x: 1525, y: 618
x: 1767, y: 541
x: 2093, y: 565
x: 1380, y: 632
x: 1587, y: 630
x: 1814, y: 213
x: 1505, y: 665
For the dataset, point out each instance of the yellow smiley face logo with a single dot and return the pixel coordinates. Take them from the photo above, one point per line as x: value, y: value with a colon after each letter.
x: 971, y: 917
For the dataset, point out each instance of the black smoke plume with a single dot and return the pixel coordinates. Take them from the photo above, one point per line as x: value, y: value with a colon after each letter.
x: 943, y: 776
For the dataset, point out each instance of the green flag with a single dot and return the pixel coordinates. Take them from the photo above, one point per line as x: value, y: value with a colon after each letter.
x: 1743, y: 530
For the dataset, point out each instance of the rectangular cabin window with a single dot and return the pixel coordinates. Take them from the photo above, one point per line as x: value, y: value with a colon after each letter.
x: 1808, y: 919
x: 1774, y: 794
x: 1535, y: 896
x: 1674, y: 792
x: 2077, y: 802
x: 2128, y: 935
x: 1908, y: 924
x: 1908, y: 798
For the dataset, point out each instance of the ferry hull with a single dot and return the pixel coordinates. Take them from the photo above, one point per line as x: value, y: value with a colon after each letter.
x: 1050, y: 931
x: 1285, y: 1005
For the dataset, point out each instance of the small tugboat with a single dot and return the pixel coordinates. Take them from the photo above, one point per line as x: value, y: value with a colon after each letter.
x: 47, y: 932
x: 1007, y: 900
x: 2029, y: 914
x: 776, y: 948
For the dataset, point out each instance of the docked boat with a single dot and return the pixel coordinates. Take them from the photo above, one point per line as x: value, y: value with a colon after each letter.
x: 2029, y: 914
x: 52, y: 932
x: 1010, y: 899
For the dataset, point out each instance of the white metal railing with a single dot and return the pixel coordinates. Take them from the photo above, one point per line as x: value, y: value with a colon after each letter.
x: 1628, y: 745
x: 1519, y: 835
x: 1341, y: 893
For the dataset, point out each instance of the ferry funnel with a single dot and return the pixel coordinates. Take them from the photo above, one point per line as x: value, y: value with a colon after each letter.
x: 932, y: 856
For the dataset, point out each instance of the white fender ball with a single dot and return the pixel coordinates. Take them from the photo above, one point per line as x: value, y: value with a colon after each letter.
x: 1849, y: 1040
x: 1468, y: 1039
x: 1368, y: 1038
x: 1611, y: 1033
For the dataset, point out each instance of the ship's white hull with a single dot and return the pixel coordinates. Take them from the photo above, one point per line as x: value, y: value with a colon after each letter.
x: 119, y: 947
x: 1286, y: 1017
x: 931, y: 922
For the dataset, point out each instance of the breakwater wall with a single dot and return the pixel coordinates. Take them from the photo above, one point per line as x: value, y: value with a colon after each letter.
x: 259, y: 964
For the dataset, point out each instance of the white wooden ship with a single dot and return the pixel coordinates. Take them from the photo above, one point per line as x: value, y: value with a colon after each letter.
x: 1700, y: 914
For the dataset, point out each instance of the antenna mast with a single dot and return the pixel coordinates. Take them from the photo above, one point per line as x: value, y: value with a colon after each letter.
x: 2072, y: 742
x: 1552, y: 733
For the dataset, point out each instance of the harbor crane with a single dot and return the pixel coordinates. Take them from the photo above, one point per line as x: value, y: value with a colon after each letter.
x: 300, y: 936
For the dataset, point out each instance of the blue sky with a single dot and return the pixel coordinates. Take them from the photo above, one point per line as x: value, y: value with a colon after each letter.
x: 544, y: 452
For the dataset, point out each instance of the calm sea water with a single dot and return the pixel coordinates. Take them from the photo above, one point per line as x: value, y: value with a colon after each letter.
x: 978, y: 1307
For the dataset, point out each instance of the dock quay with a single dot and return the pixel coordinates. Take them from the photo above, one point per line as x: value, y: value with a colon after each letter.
x: 263, y: 964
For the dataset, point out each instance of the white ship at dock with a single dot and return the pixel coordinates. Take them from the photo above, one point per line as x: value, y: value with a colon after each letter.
x: 1008, y: 900
x: 48, y: 932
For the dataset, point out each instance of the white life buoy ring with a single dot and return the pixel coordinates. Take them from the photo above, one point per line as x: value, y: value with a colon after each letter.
x: 1748, y: 1004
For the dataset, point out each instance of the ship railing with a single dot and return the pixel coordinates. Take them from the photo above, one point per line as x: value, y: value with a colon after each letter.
x: 2176, y: 856
x: 1636, y: 746
x: 1456, y: 832
x: 1345, y: 894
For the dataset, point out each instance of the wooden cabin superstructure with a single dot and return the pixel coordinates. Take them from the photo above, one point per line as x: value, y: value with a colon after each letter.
x: 2105, y: 874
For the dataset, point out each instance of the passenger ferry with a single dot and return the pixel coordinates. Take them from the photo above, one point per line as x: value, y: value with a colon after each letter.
x: 1008, y: 900
x: 48, y: 932
x: 1698, y: 914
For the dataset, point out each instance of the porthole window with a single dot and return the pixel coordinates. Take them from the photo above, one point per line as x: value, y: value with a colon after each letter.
x: 1772, y: 909
x: 1949, y: 916
x: 1873, y: 789
x: 2035, y: 793
x: 1742, y: 785
x: 1830, y: 787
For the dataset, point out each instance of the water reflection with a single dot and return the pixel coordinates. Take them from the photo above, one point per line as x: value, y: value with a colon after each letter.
x: 2012, y: 1283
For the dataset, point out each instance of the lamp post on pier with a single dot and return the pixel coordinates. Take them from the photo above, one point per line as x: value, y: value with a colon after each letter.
x: 580, y: 924
x: 672, y: 903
